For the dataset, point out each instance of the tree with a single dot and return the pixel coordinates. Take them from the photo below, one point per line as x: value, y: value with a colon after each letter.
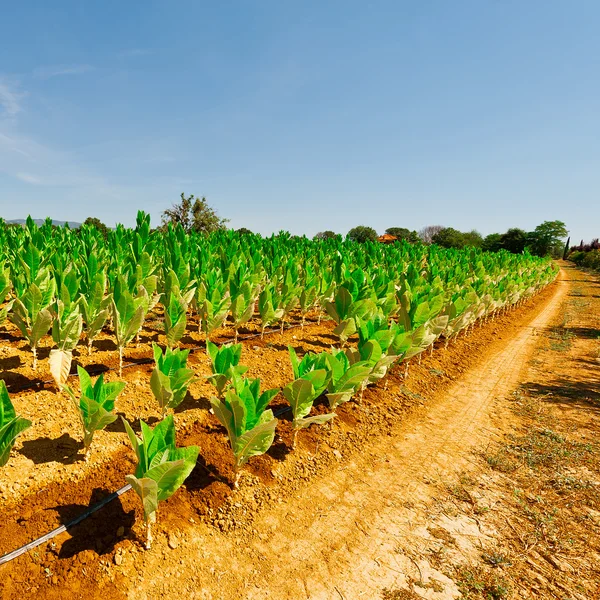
x: 402, y: 233
x: 472, y: 238
x: 448, y: 237
x: 566, y: 250
x: 204, y: 218
x: 362, y: 234
x: 426, y: 234
x: 514, y: 240
x: 492, y: 242
x: 243, y: 231
x: 194, y: 214
x: 325, y: 235
x: 179, y: 213
x: 98, y: 224
x: 547, y: 239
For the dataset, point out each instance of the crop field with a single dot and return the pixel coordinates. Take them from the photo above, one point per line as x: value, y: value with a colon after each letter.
x: 193, y: 368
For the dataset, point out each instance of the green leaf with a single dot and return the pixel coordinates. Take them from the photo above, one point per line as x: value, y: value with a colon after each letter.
x: 40, y: 327
x: 7, y: 411
x: 8, y: 434
x: 256, y: 441
x: 147, y: 490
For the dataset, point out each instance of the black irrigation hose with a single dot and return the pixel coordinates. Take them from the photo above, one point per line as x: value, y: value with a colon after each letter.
x: 48, y: 536
x: 84, y: 515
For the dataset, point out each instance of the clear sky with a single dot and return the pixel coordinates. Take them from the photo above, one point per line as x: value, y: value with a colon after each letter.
x: 304, y: 115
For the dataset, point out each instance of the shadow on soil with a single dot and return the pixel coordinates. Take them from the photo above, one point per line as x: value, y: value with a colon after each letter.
x: 118, y: 427
x: 99, y: 531
x: 64, y: 450
x: 105, y: 345
x: 587, y: 333
x: 12, y: 362
x: 15, y: 382
x: 564, y: 391
x: 189, y: 402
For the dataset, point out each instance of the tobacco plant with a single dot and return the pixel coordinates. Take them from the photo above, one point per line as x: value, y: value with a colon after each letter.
x: 5, y: 287
x: 31, y: 311
x: 345, y: 378
x: 176, y: 304
x: 95, y: 405
x: 301, y: 394
x: 10, y: 425
x: 250, y: 426
x: 225, y: 364
x: 170, y: 378
x: 128, y: 313
x: 95, y: 308
x: 66, y: 327
x: 162, y: 466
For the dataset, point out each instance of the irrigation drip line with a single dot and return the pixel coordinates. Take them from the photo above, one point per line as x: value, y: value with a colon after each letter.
x: 48, y: 536
x: 84, y: 515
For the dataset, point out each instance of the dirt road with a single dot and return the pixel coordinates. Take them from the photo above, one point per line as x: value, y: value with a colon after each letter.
x: 356, y: 532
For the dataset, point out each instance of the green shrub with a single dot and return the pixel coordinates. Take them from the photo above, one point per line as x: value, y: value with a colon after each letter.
x: 577, y: 257
x: 591, y: 260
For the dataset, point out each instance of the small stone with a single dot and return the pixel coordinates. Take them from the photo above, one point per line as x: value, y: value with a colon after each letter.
x: 118, y: 559
x: 337, y: 454
x: 173, y: 542
x: 54, y: 579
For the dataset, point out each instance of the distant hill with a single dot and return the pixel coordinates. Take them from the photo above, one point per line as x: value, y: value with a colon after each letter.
x: 72, y: 224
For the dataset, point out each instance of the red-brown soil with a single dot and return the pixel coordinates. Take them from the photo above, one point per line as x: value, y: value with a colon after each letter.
x: 47, y: 483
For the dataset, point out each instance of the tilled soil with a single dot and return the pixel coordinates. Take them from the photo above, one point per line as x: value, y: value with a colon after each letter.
x: 47, y: 483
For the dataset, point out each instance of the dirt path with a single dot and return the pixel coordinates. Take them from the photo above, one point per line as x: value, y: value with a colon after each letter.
x: 350, y: 536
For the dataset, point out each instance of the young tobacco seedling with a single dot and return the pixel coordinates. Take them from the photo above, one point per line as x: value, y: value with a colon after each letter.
x: 161, y: 469
x: 344, y: 379
x: 266, y: 309
x: 96, y: 404
x: 242, y: 305
x: 95, y: 308
x: 251, y: 428
x: 225, y: 364
x: 175, y: 308
x: 211, y: 305
x: 128, y: 314
x: 301, y: 394
x: 31, y: 311
x: 170, y: 379
x: 310, y: 361
x: 5, y: 287
x: 66, y: 327
x: 10, y: 425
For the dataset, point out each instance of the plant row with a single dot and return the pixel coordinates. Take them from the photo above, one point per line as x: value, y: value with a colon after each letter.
x: 74, y: 284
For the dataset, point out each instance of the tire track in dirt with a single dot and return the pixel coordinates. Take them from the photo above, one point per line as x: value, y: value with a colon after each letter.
x: 340, y: 536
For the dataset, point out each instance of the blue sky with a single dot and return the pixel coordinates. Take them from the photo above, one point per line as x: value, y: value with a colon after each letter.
x: 304, y: 116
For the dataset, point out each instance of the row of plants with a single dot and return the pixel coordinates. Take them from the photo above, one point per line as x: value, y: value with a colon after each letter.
x: 77, y: 284
x: 239, y: 404
x: 388, y: 303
